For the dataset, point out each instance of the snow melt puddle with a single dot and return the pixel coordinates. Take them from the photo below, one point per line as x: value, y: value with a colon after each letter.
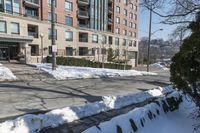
x: 65, y: 72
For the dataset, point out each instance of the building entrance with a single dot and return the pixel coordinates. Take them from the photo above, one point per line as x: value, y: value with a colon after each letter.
x: 9, y: 51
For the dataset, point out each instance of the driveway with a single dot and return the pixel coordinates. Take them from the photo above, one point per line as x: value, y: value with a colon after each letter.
x: 37, y: 96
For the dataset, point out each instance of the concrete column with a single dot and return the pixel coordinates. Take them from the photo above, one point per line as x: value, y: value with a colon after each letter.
x: 27, y: 54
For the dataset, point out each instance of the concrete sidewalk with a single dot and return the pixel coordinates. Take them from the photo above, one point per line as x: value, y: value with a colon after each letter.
x: 18, y: 98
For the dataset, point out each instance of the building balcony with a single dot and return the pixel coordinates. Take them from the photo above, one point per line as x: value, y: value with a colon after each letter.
x: 110, y: 10
x: 32, y: 3
x: 83, y: 14
x: 83, y: 2
x: 31, y: 16
x: 110, y: 21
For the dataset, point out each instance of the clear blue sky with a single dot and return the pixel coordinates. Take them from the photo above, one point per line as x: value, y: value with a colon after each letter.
x: 144, y: 26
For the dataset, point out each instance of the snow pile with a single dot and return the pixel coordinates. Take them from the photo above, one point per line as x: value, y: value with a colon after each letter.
x: 160, y: 65
x: 6, y: 74
x: 152, y: 118
x: 34, y: 123
x: 65, y: 72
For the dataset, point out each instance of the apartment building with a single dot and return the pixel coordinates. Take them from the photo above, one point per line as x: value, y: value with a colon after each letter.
x: 84, y: 29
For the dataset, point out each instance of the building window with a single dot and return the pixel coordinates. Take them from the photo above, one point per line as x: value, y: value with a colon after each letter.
x: 69, y: 51
x: 135, y: 44
x: 9, y: 6
x: 31, y: 12
x: 110, y: 39
x: 130, y: 43
x: 135, y: 26
x: 83, y: 51
x: 124, y: 42
x: 135, y: 16
x: 94, y: 38
x: 125, y: 2
x: 131, y: 6
x: 124, y: 32
x: 1, y: 5
x: 50, y: 17
x: 125, y: 12
x: 131, y: 15
x: 117, y: 30
x: 33, y: 31
x: 125, y: 22
x: 117, y: 20
x: 69, y: 21
x: 34, y: 50
x: 130, y: 34
x: 50, y: 32
x: 15, y: 28
x: 83, y: 37
x: 135, y: 34
x: 16, y: 7
x: 50, y: 50
x: 55, y: 2
x: 131, y: 24
x: 118, y: 9
x: 135, y: 8
x: 116, y: 41
x: 68, y: 6
x: 69, y: 36
x: 3, y: 28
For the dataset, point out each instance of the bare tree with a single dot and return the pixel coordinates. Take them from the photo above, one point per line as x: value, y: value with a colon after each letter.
x: 173, y: 11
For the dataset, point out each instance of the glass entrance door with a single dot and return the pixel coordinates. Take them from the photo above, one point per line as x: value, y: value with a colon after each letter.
x: 4, y: 53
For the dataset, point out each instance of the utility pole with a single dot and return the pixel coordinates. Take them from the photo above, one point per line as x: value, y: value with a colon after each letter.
x: 148, y: 53
x: 53, y: 40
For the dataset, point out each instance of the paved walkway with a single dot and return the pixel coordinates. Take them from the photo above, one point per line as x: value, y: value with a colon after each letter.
x: 36, y: 96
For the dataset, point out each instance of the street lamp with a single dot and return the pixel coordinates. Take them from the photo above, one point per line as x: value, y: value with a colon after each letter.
x: 42, y: 36
x: 149, y: 41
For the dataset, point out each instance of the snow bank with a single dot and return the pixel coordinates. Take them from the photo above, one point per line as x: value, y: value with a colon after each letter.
x: 150, y: 119
x: 159, y: 66
x: 34, y: 123
x: 65, y: 72
x: 6, y: 74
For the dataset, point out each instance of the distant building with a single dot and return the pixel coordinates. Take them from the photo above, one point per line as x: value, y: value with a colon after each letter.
x: 83, y: 28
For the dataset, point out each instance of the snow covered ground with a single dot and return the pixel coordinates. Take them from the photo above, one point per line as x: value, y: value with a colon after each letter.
x: 34, y: 123
x: 138, y: 120
x: 72, y: 72
x: 160, y: 66
x: 6, y: 74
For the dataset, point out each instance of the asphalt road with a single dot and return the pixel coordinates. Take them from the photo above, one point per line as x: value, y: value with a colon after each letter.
x: 18, y: 98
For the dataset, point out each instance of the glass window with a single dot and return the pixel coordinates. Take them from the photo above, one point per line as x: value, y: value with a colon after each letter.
x: 118, y: 9
x: 50, y: 17
x: 124, y: 42
x: 16, y: 7
x: 110, y: 39
x: 124, y: 32
x: 14, y: 28
x: 125, y: 22
x: 131, y: 25
x: 125, y: 2
x: 69, y: 36
x: 131, y: 6
x: 118, y: 20
x: 135, y: 44
x: 69, y: 21
x: 1, y: 5
x: 131, y: 15
x: 68, y: 6
x: 135, y: 26
x: 130, y: 43
x: 130, y: 33
x: 50, y: 32
x: 3, y: 27
x: 116, y: 41
x: 69, y: 51
x: 117, y: 30
x: 135, y: 8
x: 49, y: 2
x: 135, y: 16
x: 9, y: 6
x: 135, y: 34
x: 94, y: 38
x: 34, y: 50
x: 125, y: 12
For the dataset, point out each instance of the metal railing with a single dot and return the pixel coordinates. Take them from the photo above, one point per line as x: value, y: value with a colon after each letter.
x: 83, y: 13
x: 33, y: 1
